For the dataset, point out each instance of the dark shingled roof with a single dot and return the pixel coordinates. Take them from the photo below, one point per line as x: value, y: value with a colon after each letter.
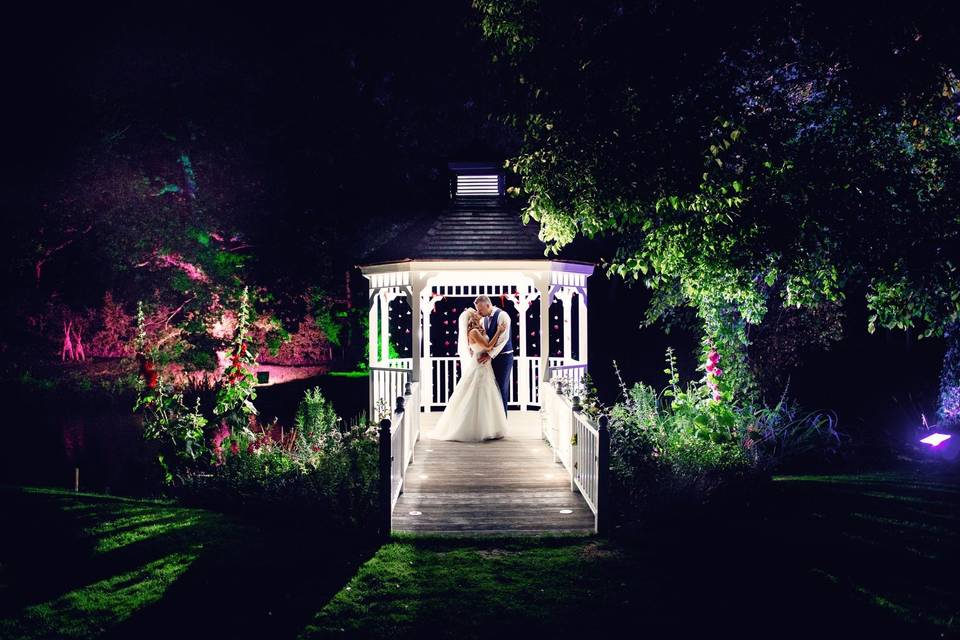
x: 471, y: 228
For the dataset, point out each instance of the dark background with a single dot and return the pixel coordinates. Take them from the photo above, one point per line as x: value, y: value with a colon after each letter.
x: 349, y: 115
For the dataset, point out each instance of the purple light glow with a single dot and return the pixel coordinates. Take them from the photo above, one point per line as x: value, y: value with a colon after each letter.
x: 936, y: 439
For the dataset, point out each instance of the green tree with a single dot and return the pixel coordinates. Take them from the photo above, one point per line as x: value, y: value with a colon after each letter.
x: 743, y: 159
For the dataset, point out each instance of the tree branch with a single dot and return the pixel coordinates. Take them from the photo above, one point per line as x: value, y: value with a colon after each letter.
x: 52, y: 250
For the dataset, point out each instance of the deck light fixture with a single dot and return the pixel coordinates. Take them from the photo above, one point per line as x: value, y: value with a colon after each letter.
x: 936, y: 439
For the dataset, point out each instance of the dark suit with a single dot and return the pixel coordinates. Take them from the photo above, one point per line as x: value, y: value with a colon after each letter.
x: 503, y: 363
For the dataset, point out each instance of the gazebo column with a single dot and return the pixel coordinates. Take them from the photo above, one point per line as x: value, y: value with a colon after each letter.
x: 565, y: 295
x: 543, y: 287
x: 523, y: 375
x: 413, y: 296
x: 426, y: 367
x: 372, y: 321
x: 372, y: 354
x: 582, y: 326
x: 523, y: 303
x: 385, y: 299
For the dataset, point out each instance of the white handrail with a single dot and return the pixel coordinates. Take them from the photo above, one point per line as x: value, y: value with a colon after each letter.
x: 398, y: 439
x: 582, y: 446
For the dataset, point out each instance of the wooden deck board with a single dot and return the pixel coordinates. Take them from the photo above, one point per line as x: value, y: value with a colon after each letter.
x: 500, y: 486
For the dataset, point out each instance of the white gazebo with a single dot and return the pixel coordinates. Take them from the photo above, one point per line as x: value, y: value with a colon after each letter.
x: 478, y: 245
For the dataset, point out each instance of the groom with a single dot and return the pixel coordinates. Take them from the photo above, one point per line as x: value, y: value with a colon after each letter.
x: 502, y: 352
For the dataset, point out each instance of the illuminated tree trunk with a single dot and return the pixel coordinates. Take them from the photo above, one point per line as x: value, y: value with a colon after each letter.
x: 78, y: 346
x: 950, y: 377
x: 67, y: 350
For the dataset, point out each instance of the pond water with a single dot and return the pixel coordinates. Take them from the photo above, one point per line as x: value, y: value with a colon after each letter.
x: 48, y: 436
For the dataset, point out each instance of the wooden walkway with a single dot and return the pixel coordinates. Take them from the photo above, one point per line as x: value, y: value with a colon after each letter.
x: 500, y: 486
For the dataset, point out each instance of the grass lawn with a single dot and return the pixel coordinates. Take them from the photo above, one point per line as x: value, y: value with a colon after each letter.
x: 88, y: 565
x: 823, y: 556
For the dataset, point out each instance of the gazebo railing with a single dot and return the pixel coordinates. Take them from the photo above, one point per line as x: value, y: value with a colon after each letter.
x: 582, y: 446
x: 398, y: 439
x: 444, y: 375
x: 387, y: 383
x: 573, y: 372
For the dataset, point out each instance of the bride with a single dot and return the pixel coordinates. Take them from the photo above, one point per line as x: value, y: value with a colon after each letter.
x: 475, y: 409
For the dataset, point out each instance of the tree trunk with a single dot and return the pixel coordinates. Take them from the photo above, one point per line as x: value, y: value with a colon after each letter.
x: 67, y: 350
x: 78, y: 347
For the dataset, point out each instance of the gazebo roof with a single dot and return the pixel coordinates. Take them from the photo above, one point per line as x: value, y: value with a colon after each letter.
x: 472, y: 228
x: 479, y: 224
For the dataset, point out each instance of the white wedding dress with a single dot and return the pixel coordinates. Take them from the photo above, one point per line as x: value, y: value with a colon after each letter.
x: 474, y: 411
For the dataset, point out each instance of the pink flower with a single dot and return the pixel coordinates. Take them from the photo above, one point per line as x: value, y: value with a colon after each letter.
x: 716, y: 395
x: 234, y: 448
x: 717, y: 371
x: 711, y: 365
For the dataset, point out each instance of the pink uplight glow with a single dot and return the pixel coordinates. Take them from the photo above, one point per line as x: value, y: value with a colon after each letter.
x: 936, y: 439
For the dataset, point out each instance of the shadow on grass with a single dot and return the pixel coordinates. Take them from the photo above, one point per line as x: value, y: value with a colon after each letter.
x: 96, y: 566
x: 838, y: 556
x: 868, y: 555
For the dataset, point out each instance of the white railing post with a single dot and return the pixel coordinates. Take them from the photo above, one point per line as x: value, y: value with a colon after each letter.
x: 412, y: 414
x: 386, y: 479
x: 575, y: 443
x: 603, y: 476
x: 401, y: 417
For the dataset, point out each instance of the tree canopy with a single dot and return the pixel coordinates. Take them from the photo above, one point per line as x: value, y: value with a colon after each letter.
x: 745, y: 156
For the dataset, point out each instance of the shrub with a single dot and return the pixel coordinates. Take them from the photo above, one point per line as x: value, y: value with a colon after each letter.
x: 315, y: 419
x: 325, y: 470
x: 786, y: 437
x: 682, y: 444
x: 176, y: 429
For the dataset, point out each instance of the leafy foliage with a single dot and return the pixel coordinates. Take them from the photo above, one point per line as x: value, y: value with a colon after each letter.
x: 167, y: 420
x: 949, y: 411
x: 767, y: 170
x: 684, y: 441
x: 235, y: 396
x: 315, y: 420
x: 323, y: 465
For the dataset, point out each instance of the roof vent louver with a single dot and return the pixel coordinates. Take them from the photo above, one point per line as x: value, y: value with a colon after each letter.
x: 479, y: 185
x: 481, y: 179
